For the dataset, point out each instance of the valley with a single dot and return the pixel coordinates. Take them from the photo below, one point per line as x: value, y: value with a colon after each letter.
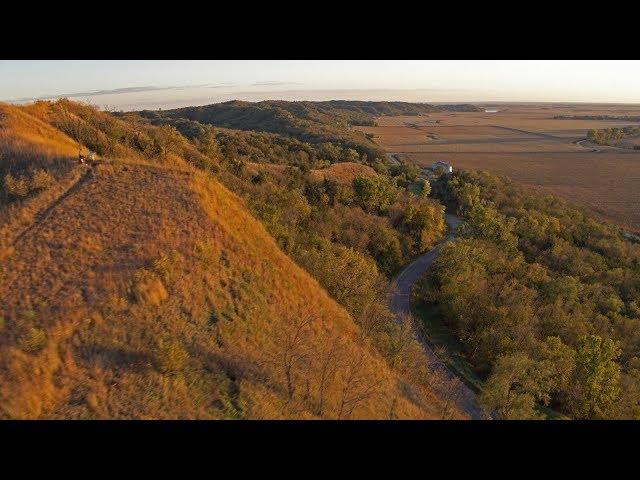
x: 284, y: 260
x: 529, y: 143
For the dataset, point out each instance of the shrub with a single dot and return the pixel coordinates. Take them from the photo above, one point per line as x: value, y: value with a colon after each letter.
x: 349, y: 276
x: 34, y: 340
x: 41, y: 179
x: 375, y: 195
x: 16, y: 187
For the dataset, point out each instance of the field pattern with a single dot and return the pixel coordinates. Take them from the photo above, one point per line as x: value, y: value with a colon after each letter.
x: 529, y: 145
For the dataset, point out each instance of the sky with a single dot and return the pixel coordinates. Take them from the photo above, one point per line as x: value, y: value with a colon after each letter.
x: 132, y: 84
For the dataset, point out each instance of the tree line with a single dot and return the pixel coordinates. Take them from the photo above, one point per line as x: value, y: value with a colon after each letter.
x: 544, y: 298
x: 610, y: 136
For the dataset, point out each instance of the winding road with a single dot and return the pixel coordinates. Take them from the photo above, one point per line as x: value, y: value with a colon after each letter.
x: 400, y: 302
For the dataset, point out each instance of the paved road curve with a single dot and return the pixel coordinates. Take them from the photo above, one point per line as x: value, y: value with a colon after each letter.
x: 400, y: 304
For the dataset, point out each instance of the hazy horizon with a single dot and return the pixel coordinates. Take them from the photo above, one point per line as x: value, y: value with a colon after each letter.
x: 133, y: 85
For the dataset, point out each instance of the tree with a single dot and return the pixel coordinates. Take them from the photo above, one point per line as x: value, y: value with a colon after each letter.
x: 448, y: 387
x: 290, y: 350
x: 375, y: 194
x: 330, y: 152
x: 350, y: 155
x: 629, y: 402
x: 406, y: 169
x: 400, y: 338
x: 208, y: 142
x: 483, y: 221
x: 358, y: 385
x: 424, y: 222
x: 514, y: 387
x: 425, y: 188
x: 557, y: 362
x: 597, y: 377
x: 350, y: 277
x: 166, y: 139
x: 384, y: 247
x: 465, y: 194
x: 329, y: 365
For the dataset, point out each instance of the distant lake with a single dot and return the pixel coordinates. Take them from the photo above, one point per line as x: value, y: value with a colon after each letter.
x: 490, y: 111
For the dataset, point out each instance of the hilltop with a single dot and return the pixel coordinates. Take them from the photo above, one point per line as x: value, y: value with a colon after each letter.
x: 343, y: 173
x: 313, y: 122
x: 141, y: 287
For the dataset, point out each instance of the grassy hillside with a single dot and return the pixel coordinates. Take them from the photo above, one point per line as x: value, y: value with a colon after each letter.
x: 141, y: 287
x: 343, y: 173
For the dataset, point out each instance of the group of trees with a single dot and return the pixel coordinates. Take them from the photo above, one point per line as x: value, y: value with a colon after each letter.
x: 313, y: 123
x: 544, y: 299
x: 353, y: 238
x: 372, y: 216
x: 260, y: 147
x: 119, y: 137
x: 394, y: 223
x: 610, y: 136
x: 308, y: 122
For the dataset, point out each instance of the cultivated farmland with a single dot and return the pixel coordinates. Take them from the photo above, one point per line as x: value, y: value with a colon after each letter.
x: 528, y: 144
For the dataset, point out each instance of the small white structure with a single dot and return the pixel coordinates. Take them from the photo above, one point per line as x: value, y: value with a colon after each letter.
x: 440, y: 165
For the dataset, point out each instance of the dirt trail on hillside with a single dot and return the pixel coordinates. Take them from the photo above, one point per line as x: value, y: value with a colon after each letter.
x: 46, y: 212
x: 84, y: 175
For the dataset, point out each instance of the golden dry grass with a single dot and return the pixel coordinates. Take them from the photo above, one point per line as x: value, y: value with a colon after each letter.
x: 276, y: 170
x: 137, y: 291
x: 342, y: 173
x: 20, y: 127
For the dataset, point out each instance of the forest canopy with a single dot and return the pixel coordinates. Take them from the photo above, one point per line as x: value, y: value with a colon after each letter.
x: 544, y: 299
x: 312, y: 122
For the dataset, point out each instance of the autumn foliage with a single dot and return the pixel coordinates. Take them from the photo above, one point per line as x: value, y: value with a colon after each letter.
x: 141, y: 287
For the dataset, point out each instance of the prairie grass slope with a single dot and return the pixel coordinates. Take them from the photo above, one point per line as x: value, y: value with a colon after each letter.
x: 149, y: 291
x: 343, y: 173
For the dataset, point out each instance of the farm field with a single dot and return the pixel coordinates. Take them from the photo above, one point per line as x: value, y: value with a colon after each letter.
x: 526, y: 143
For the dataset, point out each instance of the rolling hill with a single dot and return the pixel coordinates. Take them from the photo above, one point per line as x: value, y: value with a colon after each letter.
x: 141, y: 287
